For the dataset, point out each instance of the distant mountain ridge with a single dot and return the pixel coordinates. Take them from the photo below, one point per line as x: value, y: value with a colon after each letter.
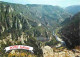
x: 73, y: 9
x: 41, y: 13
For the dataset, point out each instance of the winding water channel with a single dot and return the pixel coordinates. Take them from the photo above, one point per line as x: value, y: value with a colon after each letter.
x: 59, y: 40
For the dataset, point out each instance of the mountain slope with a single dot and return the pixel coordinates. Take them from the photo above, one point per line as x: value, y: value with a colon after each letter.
x: 45, y: 14
x: 73, y: 9
x: 29, y: 18
x: 13, y: 22
x: 70, y: 31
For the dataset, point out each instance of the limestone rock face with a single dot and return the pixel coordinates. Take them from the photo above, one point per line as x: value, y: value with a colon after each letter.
x: 47, y: 51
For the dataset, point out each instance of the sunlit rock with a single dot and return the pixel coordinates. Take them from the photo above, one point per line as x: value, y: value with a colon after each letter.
x: 47, y: 51
x: 12, y: 52
x: 11, y: 9
x: 39, y: 24
x: 3, y: 29
x: 4, y: 41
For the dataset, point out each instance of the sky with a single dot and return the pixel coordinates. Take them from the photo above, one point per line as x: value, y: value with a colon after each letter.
x: 62, y: 3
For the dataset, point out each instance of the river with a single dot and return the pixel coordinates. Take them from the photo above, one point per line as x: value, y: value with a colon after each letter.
x: 59, y: 39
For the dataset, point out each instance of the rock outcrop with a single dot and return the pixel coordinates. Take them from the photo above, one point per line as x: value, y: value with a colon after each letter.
x: 47, y: 51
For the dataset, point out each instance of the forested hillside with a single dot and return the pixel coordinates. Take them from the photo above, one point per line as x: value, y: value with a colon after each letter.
x: 73, y: 9
x: 70, y: 31
x: 37, y: 26
x: 34, y: 20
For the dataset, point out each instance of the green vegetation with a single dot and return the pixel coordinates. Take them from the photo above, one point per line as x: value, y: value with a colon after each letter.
x: 52, y: 42
x: 36, y: 45
x: 23, y: 24
x: 73, y: 9
x: 70, y: 31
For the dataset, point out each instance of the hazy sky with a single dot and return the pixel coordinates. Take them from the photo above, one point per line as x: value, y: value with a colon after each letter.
x: 62, y: 3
